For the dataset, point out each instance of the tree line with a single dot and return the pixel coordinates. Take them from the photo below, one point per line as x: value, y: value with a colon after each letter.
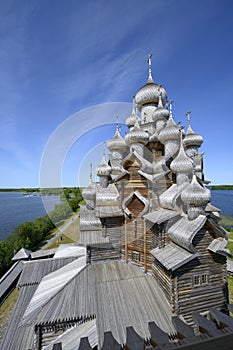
x: 29, y: 235
x: 222, y: 187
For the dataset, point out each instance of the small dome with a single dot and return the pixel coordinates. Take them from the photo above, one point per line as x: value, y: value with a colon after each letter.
x: 192, y: 139
x: 103, y: 169
x: 182, y: 164
x: 137, y: 135
x: 171, y: 132
x: 117, y: 142
x: 160, y: 112
x: 195, y: 194
x: 89, y: 192
x: 131, y: 120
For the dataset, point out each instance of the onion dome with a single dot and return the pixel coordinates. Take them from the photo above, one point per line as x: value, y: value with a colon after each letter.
x: 195, y: 194
x: 149, y: 93
x: 182, y: 164
x: 171, y: 132
x: 89, y: 192
x: 161, y: 112
x: 117, y: 142
x: 191, y: 138
x: 131, y: 120
x: 137, y: 135
x: 103, y: 169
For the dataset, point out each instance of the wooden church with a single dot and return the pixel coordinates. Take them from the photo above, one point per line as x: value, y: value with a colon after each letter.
x: 149, y: 271
x: 151, y: 207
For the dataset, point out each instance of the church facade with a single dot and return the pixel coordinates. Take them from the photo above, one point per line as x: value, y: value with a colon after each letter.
x: 151, y: 207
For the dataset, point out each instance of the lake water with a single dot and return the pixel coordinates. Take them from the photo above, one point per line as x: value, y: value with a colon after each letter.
x: 223, y: 200
x: 15, y: 209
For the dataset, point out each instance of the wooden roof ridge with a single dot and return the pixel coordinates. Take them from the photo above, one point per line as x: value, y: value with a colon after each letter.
x: 31, y: 312
x: 35, y: 270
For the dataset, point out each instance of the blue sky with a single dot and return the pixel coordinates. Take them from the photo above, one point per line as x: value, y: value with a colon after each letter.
x: 59, y: 57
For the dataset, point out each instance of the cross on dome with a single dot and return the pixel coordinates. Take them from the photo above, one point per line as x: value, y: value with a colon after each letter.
x: 150, y: 79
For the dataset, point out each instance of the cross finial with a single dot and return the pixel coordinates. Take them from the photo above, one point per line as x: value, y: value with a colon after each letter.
x: 150, y: 79
x: 188, y: 116
x: 134, y: 106
x: 117, y: 124
x: 91, y: 172
x: 170, y: 107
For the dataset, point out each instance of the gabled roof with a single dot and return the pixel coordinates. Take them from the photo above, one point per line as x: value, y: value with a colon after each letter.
x: 173, y: 256
x: 22, y: 254
x: 50, y: 286
x: 35, y: 270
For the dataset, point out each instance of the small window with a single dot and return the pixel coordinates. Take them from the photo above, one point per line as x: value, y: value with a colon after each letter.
x: 204, y: 279
x: 199, y: 280
x: 136, y: 256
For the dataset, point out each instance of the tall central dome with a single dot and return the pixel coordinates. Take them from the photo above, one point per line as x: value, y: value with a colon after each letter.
x: 149, y: 93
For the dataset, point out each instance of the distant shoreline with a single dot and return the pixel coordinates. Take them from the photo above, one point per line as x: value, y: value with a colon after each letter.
x: 222, y: 187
